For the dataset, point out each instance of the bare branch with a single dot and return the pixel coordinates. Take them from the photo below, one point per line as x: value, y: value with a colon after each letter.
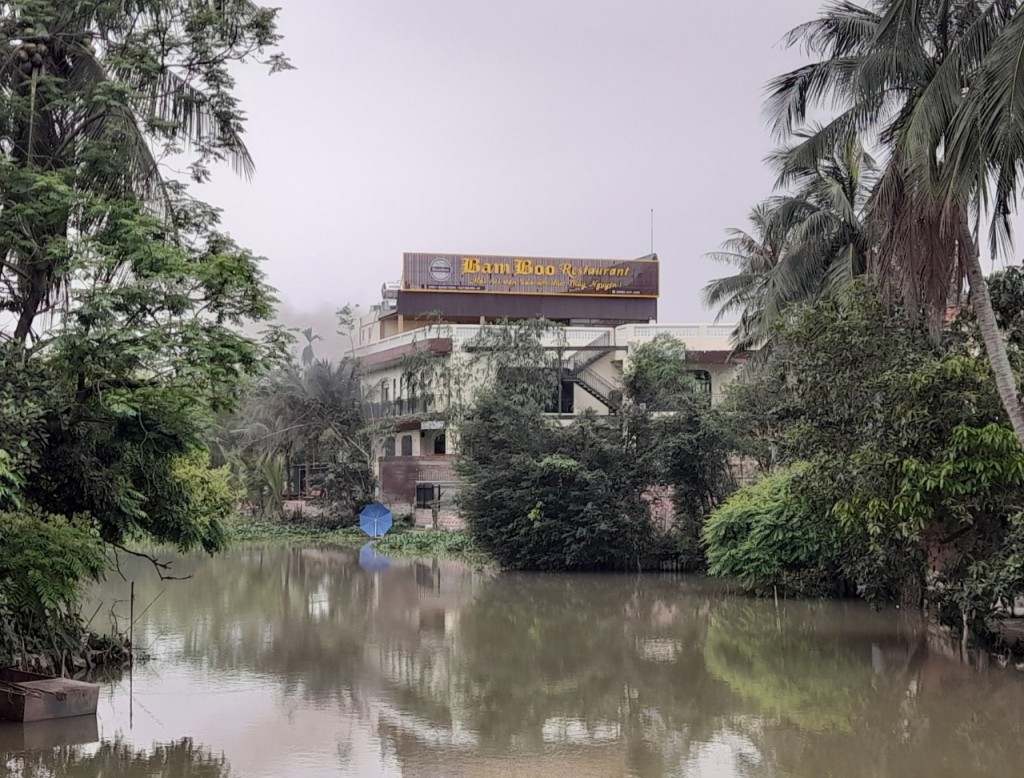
x: 160, y: 567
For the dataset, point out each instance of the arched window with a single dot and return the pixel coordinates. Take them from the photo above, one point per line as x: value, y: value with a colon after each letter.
x: 406, y: 445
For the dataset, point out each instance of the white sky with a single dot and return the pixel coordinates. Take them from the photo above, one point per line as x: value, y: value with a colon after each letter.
x: 527, y: 127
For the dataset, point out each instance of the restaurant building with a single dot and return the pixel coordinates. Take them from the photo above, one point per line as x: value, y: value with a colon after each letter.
x: 604, y: 309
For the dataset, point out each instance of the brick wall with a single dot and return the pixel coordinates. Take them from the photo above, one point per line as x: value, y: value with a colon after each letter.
x: 447, y: 519
x: 398, y: 476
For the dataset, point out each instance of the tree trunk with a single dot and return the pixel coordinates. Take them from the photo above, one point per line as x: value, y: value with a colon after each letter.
x: 30, y: 303
x: 1006, y: 382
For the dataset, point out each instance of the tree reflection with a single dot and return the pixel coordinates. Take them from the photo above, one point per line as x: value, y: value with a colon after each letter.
x: 781, y: 662
x: 116, y: 759
x: 572, y: 660
x: 656, y: 671
x: 295, y: 613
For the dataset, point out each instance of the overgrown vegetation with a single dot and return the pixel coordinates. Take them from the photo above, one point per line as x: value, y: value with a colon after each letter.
x: 302, y: 431
x: 542, y: 495
x: 895, y: 399
x: 431, y: 543
x: 260, y: 531
x: 906, y: 479
x: 124, y: 301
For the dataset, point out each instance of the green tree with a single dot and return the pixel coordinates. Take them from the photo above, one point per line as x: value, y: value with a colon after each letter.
x: 125, y: 302
x: 89, y: 90
x: 302, y: 416
x: 755, y: 254
x: 908, y: 470
x: 809, y: 242
x: 904, y: 71
x: 656, y: 376
x: 540, y: 496
x: 1006, y: 288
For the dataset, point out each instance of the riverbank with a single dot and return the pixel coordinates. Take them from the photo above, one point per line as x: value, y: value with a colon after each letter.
x: 92, y: 654
x: 263, y: 531
x: 401, y: 541
x: 434, y: 543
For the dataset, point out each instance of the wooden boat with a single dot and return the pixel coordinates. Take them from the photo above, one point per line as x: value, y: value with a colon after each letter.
x: 30, y: 697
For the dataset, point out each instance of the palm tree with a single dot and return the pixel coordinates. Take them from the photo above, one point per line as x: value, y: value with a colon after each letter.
x: 755, y: 253
x: 308, y: 415
x: 308, y: 354
x: 806, y: 245
x: 93, y: 91
x: 901, y: 72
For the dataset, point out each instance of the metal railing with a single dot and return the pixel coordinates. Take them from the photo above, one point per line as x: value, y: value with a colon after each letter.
x: 404, y: 406
x: 596, y: 349
x: 602, y: 389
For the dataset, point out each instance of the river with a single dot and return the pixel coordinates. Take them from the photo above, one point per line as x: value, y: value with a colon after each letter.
x: 291, y: 661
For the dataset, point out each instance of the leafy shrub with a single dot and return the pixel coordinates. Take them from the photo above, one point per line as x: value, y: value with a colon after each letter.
x: 658, y: 375
x: 11, y: 482
x: 44, y: 562
x: 428, y: 543
x: 767, y: 535
x: 539, y: 496
x: 211, y: 491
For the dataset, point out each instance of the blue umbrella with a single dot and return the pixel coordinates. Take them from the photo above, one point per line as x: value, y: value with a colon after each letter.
x: 371, y: 560
x: 376, y: 520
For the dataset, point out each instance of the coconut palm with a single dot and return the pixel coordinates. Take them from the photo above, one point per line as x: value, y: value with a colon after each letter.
x: 92, y: 92
x: 806, y: 245
x: 899, y: 71
x: 755, y: 253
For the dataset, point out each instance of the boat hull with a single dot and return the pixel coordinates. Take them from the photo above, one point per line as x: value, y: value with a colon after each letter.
x: 41, y: 698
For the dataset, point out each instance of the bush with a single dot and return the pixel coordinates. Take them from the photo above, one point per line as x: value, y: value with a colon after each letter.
x: 538, y: 496
x: 768, y: 536
x: 429, y: 543
x: 44, y: 562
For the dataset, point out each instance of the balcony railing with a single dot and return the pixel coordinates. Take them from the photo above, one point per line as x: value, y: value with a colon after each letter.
x: 404, y: 406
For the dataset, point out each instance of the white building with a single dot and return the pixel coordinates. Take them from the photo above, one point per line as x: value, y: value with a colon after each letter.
x: 605, y: 308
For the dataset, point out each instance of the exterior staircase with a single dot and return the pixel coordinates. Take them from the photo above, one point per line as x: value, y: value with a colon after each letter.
x: 577, y: 368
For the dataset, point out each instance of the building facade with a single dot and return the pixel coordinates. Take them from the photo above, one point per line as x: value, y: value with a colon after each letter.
x: 603, y: 309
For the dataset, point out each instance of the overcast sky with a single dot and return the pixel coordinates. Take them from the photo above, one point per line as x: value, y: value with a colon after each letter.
x: 526, y: 127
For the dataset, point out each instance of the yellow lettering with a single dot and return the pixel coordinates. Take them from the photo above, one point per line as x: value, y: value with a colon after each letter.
x: 470, y: 265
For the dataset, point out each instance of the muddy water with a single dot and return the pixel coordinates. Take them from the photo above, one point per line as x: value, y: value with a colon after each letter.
x: 302, y: 662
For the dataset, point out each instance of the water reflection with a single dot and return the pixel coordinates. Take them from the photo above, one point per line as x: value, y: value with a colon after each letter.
x: 117, y: 759
x: 301, y: 662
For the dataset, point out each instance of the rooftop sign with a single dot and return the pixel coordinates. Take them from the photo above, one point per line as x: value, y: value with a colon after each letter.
x: 530, y: 275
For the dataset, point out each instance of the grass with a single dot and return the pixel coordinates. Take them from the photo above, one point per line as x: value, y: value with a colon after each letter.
x: 429, y: 543
x: 260, y: 531
x: 401, y: 541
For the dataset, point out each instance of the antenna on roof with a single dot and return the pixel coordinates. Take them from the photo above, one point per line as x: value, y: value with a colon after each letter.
x: 652, y: 230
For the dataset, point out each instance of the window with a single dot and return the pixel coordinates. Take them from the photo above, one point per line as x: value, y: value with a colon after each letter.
x: 389, y: 447
x: 406, y: 445
x: 426, y: 494
x: 440, y: 445
x: 385, y: 393
x: 566, y: 404
x: 703, y: 380
x: 562, y: 399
